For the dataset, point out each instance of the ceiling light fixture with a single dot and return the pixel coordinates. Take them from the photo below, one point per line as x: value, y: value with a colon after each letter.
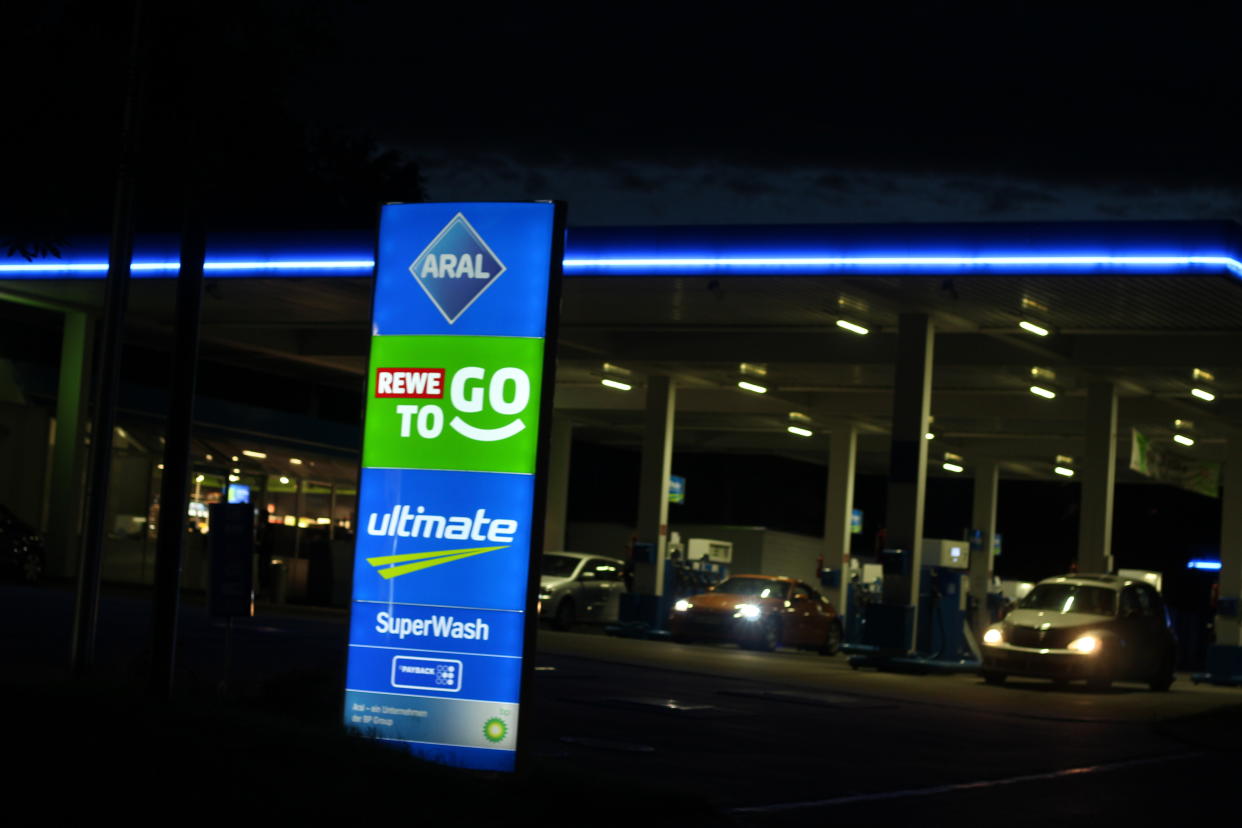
x: 853, y: 328
x: 1040, y: 391
x: 929, y: 436
x: 617, y: 384
x: 953, y: 467
x: 295, y: 461
x: 257, y: 455
x: 1063, y: 471
x: 1203, y: 395
x: 750, y: 386
x: 1031, y: 327
x: 799, y: 430
x: 1183, y: 439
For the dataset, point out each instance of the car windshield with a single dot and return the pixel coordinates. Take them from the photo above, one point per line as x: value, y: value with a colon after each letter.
x: 1071, y: 598
x: 758, y: 587
x: 558, y: 566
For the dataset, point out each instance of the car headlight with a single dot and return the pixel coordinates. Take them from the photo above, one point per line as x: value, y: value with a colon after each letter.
x: 993, y: 637
x: 1086, y: 644
x: 682, y: 606
x: 748, y: 611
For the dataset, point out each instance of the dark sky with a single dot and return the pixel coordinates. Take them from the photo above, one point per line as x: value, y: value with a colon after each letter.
x: 644, y: 112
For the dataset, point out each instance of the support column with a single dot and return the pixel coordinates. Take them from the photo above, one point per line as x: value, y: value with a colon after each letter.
x: 657, y: 463
x: 1229, y: 626
x: 64, y: 514
x: 907, y: 476
x: 1095, y: 524
x: 559, y: 447
x: 842, y: 457
x: 983, y: 521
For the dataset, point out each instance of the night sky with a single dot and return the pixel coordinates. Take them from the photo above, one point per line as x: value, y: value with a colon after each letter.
x: 650, y: 113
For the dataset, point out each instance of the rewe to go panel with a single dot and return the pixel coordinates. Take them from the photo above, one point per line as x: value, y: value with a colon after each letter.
x: 450, y: 505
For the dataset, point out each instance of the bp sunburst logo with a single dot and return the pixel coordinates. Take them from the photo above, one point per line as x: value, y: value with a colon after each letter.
x: 495, y: 730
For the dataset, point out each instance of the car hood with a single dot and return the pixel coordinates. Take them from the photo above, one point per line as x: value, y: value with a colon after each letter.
x: 723, y: 601
x: 1053, y: 620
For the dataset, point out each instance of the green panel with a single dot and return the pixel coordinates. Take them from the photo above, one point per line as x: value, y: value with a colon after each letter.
x: 443, y: 432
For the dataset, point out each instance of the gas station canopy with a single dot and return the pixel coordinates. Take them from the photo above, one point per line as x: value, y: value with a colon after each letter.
x: 808, y: 313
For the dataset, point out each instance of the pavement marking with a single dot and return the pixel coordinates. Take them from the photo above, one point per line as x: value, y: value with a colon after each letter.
x: 962, y: 786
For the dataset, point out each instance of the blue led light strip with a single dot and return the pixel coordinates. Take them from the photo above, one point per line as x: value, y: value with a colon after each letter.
x: 651, y: 266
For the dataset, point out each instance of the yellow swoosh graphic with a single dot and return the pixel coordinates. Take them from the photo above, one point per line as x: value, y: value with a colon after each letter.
x: 424, y: 560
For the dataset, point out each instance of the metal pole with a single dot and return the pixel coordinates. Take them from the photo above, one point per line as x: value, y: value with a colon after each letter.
x: 175, y: 489
x: 120, y: 253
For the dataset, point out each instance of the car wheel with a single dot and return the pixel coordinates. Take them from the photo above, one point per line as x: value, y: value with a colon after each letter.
x: 564, y: 618
x: 832, y: 641
x: 770, y: 636
x: 993, y: 677
x: 32, y: 568
x: 1163, y: 679
x: 1099, y: 683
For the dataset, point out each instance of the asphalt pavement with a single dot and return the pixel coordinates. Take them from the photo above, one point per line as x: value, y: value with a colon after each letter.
x: 766, y: 738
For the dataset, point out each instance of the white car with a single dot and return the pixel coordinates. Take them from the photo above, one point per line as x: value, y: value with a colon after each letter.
x: 1101, y: 628
x: 575, y: 586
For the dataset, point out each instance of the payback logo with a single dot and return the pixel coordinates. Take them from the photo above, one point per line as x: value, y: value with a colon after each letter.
x: 456, y: 268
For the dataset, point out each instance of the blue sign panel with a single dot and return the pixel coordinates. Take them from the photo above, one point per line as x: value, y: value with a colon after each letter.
x: 449, y: 508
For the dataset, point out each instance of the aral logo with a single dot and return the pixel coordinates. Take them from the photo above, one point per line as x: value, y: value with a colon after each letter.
x: 456, y: 268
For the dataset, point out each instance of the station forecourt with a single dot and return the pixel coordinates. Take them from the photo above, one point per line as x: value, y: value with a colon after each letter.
x: 909, y: 352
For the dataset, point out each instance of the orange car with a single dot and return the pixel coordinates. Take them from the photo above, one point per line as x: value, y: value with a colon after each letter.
x: 759, y: 612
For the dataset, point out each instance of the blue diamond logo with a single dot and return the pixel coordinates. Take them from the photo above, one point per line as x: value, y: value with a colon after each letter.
x: 456, y: 268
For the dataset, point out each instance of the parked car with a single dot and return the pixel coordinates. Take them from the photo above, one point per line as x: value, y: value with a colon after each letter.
x: 760, y: 612
x: 576, y: 586
x: 1100, y: 628
x: 21, y: 549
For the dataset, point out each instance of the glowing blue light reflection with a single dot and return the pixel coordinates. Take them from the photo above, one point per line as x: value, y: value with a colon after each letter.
x: 1202, y: 563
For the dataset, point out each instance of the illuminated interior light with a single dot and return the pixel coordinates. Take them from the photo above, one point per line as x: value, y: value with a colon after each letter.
x: 801, y: 432
x: 1031, y: 327
x: 237, y: 471
x: 953, y: 467
x: 1040, y: 391
x: 295, y: 461
x: 620, y: 386
x: 235, y: 458
x: 1199, y: 375
x: 284, y: 481
x: 160, y: 466
x: 1064, y: 472
x: 850, y: 326
x: 750, y: 386
x: 257, y: 455
x: 199, y: 479
x: 610, y: 368
x: 233, y: 478
x: 1183, y: 439
x: 208, y: 457
x: 1202, y: 563
x: 929, y: 436
x: 1203, y: 395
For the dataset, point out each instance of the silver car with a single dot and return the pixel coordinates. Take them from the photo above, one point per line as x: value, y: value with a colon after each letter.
x: 575, y: 586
